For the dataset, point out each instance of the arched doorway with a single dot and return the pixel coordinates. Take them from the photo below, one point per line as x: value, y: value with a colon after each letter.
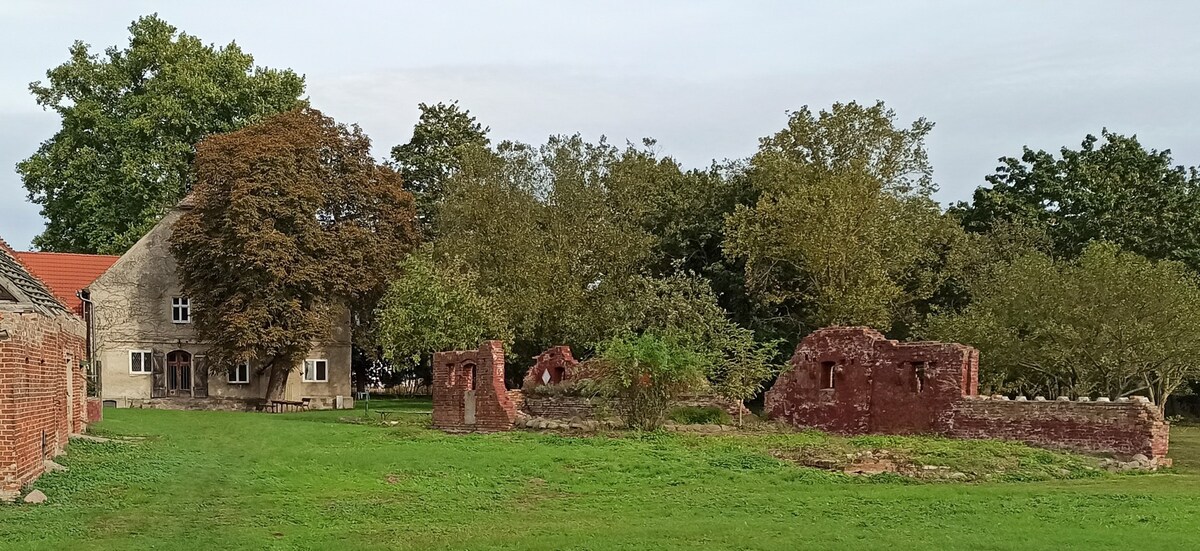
x: 179, y: 373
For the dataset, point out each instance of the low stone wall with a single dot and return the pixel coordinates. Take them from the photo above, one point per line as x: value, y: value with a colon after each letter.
x: 576, y: 407
x: 1124, y: 427
x: 191, y: 404
x: 563, y: 407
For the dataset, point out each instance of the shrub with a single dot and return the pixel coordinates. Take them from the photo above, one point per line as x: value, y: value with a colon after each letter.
x: 694, y: 415
x: 645, y: 374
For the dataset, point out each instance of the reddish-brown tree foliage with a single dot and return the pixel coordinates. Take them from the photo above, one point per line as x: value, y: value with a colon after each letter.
x: 292, y: 226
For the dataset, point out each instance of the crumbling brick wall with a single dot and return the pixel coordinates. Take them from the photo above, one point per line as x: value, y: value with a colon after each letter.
x: 853, y: 380
x: 468, y: 390
x: 43, y: 392
x: 551, y: 367
x: 1124, y: 427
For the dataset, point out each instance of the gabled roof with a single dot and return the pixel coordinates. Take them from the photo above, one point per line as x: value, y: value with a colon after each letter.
x: 17, y: 281
x: 66, y: 273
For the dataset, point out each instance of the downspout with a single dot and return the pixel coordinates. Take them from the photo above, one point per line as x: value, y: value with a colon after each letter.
x: 88, y: 308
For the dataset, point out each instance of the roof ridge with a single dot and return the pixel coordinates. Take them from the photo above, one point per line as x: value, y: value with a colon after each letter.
x: 69, y: 254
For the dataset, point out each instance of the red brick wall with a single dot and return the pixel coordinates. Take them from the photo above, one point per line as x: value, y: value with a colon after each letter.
x: 1128, y: 427
x: 557, y: 361
x: 34, y: 397
x: 468, y: 390
x: 875, y: 383
x: 887, y: 387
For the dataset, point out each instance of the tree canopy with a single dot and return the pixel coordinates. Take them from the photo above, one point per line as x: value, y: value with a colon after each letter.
x: 843, y: 230
x: 440, y: 138
x: 1109, y: 323
x: 1113, y: 190
x: 287, y: 219
x: 130, y: 119
x: 432, y: 307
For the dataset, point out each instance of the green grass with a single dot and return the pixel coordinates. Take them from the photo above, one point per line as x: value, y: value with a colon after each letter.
x: 215, y: 480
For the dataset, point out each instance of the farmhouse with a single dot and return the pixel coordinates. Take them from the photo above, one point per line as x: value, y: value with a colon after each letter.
x: 43, y: 391
x: 144, y: 346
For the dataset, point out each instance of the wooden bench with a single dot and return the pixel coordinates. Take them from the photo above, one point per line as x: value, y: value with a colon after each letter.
x: 286, y: 406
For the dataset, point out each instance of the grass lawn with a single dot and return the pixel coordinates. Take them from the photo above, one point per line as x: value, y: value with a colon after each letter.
x: 216, y: 480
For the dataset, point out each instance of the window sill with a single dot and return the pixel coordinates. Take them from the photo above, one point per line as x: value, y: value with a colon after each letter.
x: 140, y: 373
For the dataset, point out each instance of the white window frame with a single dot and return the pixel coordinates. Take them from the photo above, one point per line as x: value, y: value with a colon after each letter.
x: 237, y: 369
x: 147, y: 362
x: 180, y: 306
x: 313, y: 361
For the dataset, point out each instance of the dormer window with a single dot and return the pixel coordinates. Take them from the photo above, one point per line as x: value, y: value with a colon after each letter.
x: 181, y: 310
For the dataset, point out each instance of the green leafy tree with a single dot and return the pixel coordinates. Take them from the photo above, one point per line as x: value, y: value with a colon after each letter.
x: 130, y: 119
x: 434, y: 153
x: 1110, y: 322
x: 537, y: 226
x: 646, y: 373
x: 292, y: 226
x: 684, y: 308
x: 433, y: 307
x: 1111, y: 189
x: 844, y: 230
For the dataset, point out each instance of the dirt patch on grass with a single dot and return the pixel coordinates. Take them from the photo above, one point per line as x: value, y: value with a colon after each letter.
x: 869, y: 463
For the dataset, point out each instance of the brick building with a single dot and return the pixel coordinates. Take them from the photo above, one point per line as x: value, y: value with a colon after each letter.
x: 468, y: 390
x: 853, y: 380
x: 43, y: 388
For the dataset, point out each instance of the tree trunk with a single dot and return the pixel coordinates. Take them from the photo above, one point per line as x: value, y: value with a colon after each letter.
x: 277, y: 379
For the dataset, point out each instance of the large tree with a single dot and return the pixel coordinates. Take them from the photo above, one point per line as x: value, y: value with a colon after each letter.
x: 538, y: 226
x: 293, y: 226
x: 1109, y: 323
x: 1112, y: 189
x: 843, y: 230
x: 440, y: 138
x: 130, y: 119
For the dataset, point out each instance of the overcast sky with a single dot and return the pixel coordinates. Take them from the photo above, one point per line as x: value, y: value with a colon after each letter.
x: 707, y: 79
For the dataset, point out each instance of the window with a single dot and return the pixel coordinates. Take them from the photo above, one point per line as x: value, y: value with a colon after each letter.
x: 316, y: 371
x: 140, y: 361
x: 181, y: 310
x: 827, y: 371
x: 240, y: 374
x: 919, y: 375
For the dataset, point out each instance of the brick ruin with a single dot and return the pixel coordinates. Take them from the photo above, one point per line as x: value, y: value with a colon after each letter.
x: 552, y: 367
x: 469, y: 393
x: 43, y: 386
x: 853, y: 380
x: 468, y: 390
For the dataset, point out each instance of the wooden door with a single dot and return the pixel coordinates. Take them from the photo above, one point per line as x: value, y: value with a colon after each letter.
x: 179, y: 373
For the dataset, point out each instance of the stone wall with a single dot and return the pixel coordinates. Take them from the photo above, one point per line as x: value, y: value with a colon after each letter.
x: 563, y: 407
x: 43, y: 392
x: 578, y: 407
x: 468, y: 390
x: 1124, y: 427
x: 852, y: 380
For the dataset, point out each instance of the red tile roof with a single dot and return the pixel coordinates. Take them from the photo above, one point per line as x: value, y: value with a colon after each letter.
x: 66, y: 273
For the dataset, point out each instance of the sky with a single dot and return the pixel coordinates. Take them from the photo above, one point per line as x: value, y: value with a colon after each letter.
x: 704, y: 78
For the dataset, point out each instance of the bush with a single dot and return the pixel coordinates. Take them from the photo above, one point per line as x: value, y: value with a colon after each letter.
x: 694, y: 415
x: 645, y: 374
